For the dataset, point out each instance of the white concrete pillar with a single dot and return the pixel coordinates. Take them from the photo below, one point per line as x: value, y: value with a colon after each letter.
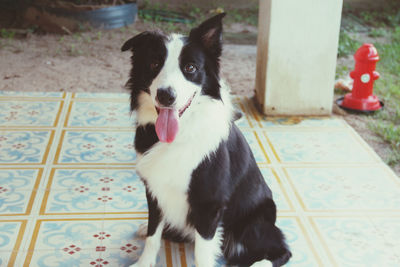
x: 296, y: 56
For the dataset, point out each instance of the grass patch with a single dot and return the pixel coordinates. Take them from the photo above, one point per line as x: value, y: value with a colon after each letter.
x: 386, y: 123
x: 347, y: 45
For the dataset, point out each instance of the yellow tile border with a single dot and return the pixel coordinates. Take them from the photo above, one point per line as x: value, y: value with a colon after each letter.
x: 33, y: 193
x: 182, y: 255
x: 34, y: 127
x: 59, y: 147
x: 31, y: 249
x: 18, y: 242
x: 182, y: 250
x: 285, y: 194
x: 305, y: 208
x: 267, y: 159
x: 46, y: 152
x: 272, y: 147
x: 50, y: 182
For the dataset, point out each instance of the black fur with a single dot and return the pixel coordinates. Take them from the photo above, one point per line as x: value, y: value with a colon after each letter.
x: 148, y: 49
x: 145, y: 137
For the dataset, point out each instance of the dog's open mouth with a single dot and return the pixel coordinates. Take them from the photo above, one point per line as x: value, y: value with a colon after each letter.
x: 181, y: 110
x: 167, y: 124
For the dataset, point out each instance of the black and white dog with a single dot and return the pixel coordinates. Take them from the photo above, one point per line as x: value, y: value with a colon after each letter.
x: 202, y: 182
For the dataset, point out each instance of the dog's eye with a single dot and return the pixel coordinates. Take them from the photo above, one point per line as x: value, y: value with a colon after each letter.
x: 190, y: 68
x: 154, y: 65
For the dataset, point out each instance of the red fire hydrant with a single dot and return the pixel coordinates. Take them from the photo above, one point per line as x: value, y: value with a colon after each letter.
x: 361, y: 97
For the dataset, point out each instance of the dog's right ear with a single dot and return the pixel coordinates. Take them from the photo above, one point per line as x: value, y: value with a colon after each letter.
x: 141, y: 40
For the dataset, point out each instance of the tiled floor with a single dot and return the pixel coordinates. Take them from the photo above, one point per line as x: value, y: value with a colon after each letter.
x: 69, y: 194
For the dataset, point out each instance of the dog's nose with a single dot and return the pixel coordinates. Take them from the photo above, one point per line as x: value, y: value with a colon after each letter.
x: 166, y: 96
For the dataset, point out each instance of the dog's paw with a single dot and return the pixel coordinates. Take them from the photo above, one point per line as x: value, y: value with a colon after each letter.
x: 142, y: 231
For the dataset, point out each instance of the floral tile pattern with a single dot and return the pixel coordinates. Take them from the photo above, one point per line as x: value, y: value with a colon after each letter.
x: 346, y: 188
x: 355, y: 242
x: 318, y: 147
x: 96, y: 147
x: 94, y: 191
x: 95, y: 114
x: 11, y: 233
x: 70, y: 195
x: 18, y: 190
x: 21, y: 146
x: 29, y: 113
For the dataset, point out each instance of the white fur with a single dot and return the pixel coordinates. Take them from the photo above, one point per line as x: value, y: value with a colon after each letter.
x: 262, y: 263
x: 146, y: 112
x: 206, y: 252
x: 151, y: 248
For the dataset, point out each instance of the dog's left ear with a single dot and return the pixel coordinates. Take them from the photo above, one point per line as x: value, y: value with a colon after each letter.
x: 209, y: 34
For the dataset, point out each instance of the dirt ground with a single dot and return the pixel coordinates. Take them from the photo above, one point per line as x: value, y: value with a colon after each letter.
x: 92, y: 62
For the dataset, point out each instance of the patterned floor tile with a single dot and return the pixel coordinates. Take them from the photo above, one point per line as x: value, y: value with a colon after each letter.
x: 24, y: 146
x: 11, y: 233
x: 99, y: 114
x: 67, y: 234
x: 256, y: 145
x: 278, y: 192
x: 389, y: 228
x: 94, y: 191
x: 354, y: 242
x: 18, y: 190
x: 101, y: 147
x: 102, y: 95
x: 69, y: 256
x: 302, y: 250
x: 31, y: 94
x: 318, y: 146
x: 29, y: 113
x: 123, y: 246
x: 345, y: 188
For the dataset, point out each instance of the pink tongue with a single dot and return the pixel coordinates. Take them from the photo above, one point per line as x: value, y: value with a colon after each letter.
x: 167, y: 125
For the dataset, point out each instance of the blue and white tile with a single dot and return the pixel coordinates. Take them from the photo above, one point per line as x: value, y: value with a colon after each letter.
x: 69, y: 234
x: 16, y: 189
x: 122, y: 246
x: 103, y: 95
x: 9, y: 233
x: 29, y: 113
x: 31, y: 94
x: 24, y: 147
x: 100, y: 114
x: 256, y: 145
x: 354, y: 242
x: 303, y: 254
x: 69, y: 256
x: 95, y: 190
x: 318, y: 146
x: 275, y: 184
x: 102, y: 147
x: 346, y: 188
x: 389, y: 228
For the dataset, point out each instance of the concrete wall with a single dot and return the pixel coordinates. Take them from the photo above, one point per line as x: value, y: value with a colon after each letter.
x: 296, y: 56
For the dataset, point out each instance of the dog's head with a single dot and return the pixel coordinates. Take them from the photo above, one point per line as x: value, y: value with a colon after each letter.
x: 175, y: 70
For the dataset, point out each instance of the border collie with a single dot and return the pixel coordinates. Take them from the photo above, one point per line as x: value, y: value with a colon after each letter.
x: 202, y: 182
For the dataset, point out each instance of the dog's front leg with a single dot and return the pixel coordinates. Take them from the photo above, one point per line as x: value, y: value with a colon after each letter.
x: 154, y: 233
x: 206, y: 251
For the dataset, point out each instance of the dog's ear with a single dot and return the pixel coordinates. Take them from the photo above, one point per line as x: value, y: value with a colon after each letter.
x: 141, y: 40
x: 209, y: 34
